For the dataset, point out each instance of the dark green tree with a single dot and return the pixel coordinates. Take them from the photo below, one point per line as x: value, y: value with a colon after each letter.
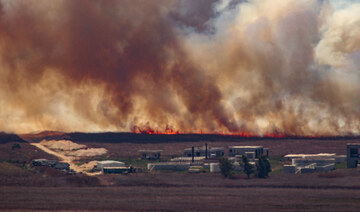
x: 267, y: 165
x: 226, y: 167
x: 262, y: 167
x: 248, y: 168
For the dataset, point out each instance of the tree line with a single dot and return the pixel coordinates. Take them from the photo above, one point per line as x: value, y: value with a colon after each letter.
x: 261, y: 169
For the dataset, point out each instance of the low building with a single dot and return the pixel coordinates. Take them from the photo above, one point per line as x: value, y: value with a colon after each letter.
x: 168, y: 166
x: 186, y: 159
x: 215, y: 167
x: 51, y: 163
x: 243, y: 150
x: 352, y: 154
x: 337, y: 158
x: 61, y: 166
x: 150, y: 154
x: 116, y: 170
x: 43, y: 162
x: 109, y: 164
x: 310, y: 163
x: 313, y: 156
x: 212, y: 152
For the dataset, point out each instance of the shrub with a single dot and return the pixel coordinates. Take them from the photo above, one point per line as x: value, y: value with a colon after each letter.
x: 226, y: 167
x: 15, y: 146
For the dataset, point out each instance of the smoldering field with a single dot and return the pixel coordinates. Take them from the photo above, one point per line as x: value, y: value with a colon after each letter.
x: 195, y: 66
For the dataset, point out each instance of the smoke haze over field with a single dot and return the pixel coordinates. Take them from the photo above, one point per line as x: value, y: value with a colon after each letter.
x: 256, y: 66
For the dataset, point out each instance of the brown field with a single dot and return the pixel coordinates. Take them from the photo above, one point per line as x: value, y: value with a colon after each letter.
x: 179, y: 199
x: 277, y: 147
x: 23, y: 187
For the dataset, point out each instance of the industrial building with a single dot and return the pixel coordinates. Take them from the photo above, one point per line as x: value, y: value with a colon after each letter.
x: 310, y: 163
x: 150, y: 154
x: 43, y: 162
x: 51, y: 163
x: 187, y: 159
x: 61, y: 166
x: 116, y: 170
x: 246, y: 150
x: 352, y: 154
x: 211, y: 152
x: 215, y: 167
x: 101, y: 165
x: 169, y: 166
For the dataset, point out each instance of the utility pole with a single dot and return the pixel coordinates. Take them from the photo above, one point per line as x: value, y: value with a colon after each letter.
x: 192, y: 155
x: 206, y: 152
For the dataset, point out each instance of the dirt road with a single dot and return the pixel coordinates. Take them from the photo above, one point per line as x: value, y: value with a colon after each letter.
x: 66, y: 159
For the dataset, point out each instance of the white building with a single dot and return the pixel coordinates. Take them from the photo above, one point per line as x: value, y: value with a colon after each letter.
x: 109, y: 163
x: 150, y: 154
x: 212, y: 152
x: 309, y: 163
x: 169, y: 166
x: 246, y: 150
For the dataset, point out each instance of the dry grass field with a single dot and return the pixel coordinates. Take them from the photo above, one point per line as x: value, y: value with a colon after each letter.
x: 24, y: 187
x: 277, y: 147
x: 179, y: 199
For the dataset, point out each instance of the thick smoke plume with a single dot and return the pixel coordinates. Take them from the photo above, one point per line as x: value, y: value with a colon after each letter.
x: 231, y: 66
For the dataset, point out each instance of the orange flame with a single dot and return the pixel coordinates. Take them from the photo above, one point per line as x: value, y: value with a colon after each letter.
x: 170, y: 131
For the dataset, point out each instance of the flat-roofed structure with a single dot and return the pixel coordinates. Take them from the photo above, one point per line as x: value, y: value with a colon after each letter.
x: 116, y: 170
x: 338, y: 158
x: 51, y: 163
x: 309, y: 163
x: 320, y: 155
x: 243, y: 150
x: 169, y: 166
x: 201, y: 152
x: 109, y: 164
x: 150, y: 154
x: 43, y: 162
x: 352, y: 154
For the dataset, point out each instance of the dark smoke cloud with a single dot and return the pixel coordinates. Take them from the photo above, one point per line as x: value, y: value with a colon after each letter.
x: 123, y: 65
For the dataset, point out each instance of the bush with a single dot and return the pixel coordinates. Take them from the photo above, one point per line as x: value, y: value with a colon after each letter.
x: 15, y: 146
x: 226, y: 167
